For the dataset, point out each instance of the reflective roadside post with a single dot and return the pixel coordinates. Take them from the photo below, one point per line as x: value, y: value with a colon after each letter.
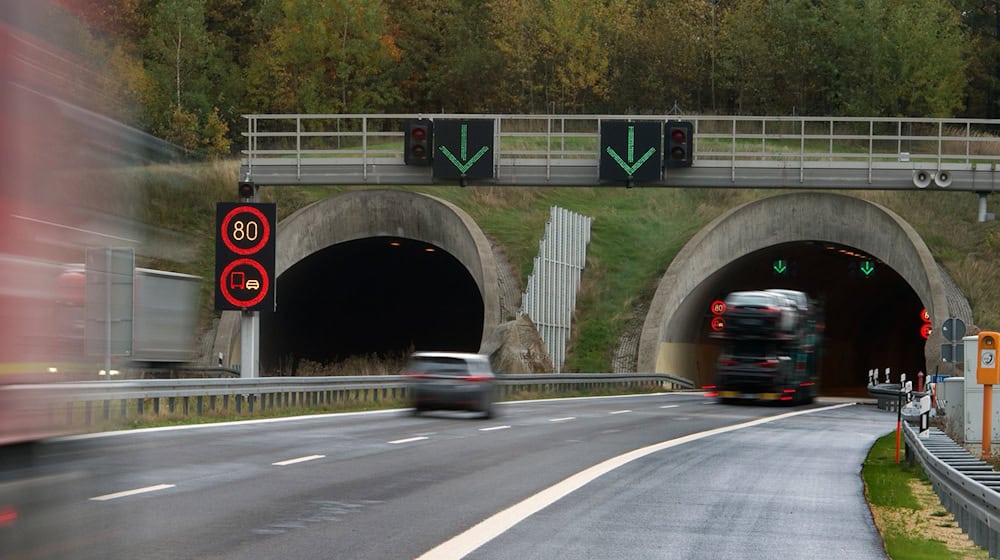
x: 988, y: 375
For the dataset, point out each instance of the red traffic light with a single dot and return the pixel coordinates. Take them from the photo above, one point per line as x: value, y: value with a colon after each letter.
x: 678, y: 138
x: 417, y: 142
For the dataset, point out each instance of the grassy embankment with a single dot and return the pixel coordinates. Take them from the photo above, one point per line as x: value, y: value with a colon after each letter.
x: 913, y: 523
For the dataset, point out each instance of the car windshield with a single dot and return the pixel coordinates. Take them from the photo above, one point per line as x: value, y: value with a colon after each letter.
x: 439, y: 365
x: 751, y: 300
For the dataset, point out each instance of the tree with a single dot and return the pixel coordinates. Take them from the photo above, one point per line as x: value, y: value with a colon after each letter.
x: 552, y: 53
x: 325, y: 57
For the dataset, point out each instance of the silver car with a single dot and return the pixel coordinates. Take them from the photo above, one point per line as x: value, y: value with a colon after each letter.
x: 451, y: 381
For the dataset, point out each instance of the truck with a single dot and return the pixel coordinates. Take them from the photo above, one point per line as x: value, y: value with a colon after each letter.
x: 164, y: 316
x: 769, y: 346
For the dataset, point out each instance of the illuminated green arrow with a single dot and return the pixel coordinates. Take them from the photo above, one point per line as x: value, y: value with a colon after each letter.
x: 463, y: 167
x: 630, y: 167
x: 868, y: 268
x: 780, y: 267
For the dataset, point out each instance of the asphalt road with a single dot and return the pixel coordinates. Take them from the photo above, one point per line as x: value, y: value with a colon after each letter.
x: 545, y: 479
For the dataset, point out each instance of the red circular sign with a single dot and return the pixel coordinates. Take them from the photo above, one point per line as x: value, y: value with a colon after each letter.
x: 231, y: 279
x: 718, y: 323
x: 925, y: 330
x: 925, y: 315
x: 718, y: 307
x: 258, y: 238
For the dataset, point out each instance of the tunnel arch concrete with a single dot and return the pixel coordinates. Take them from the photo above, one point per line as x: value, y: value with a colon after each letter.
x: 364, y: 214
x: 670, y: 338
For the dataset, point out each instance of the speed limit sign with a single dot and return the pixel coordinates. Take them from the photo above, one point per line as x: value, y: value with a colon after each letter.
x: 244, y: 256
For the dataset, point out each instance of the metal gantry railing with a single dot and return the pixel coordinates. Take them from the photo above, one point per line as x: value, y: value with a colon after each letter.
x: 549, y: 298
x: 564, y: 150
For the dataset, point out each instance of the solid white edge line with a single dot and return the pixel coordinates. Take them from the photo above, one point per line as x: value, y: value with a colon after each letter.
x: 408, y: 440
x: 464, y: 543
x: 126, y: 493
x: 298, y: 460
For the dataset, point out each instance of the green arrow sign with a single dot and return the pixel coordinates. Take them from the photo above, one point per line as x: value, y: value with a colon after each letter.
x: 630, y: 167
x: 464, y: 150
x: 780, y: 266
x: 630, y: 151
x: 867, y: 268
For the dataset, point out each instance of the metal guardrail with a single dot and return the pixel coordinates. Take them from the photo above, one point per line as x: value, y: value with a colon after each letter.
x: 967, y: 487
x: 564, y: 150
x: 87, y: 403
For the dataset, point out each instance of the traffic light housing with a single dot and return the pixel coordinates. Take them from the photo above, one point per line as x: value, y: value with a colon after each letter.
x: 417, y: 143
x: 679, y: 144
x: 247, y: 190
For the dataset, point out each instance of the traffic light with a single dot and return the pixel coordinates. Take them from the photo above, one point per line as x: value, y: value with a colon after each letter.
x: 417, y: 149
x: 679, y: 144
x: 247, y: 190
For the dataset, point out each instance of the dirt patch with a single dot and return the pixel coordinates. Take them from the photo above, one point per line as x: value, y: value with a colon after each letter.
x: 932, y: 521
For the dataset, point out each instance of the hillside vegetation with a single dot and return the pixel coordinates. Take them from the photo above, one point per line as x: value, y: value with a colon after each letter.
x: 636, y: 234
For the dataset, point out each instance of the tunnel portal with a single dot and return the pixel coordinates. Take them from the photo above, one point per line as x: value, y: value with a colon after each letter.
x: 865, y: 265
x: 374, y: 296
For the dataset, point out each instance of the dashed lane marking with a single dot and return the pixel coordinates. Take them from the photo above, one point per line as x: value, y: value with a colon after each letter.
x: 287, y: 462
x: 409, y: 440
x: 127, y: 493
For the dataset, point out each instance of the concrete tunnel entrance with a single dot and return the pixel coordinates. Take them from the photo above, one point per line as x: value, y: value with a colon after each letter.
x: 380, y: 296
x: 817, y: 243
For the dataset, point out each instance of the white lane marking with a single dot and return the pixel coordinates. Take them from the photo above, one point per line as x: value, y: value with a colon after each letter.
x: 564, y: 419
x: 620, y: 412
x: 408, y: 440
x: 670, y: 406
x: 126, y: 493
x: 494, y: 428
x: 287, y: 462
x: 463, y: 544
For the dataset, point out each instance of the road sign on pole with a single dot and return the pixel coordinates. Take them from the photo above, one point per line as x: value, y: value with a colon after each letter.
x: 630, y: 151
x: 463, y: 149
x: 244, y: 256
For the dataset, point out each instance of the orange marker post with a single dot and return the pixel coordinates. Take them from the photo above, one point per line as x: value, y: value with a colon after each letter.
x: 988, y: 375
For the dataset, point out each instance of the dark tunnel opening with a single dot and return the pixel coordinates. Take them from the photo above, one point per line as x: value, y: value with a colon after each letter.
x: 375, y: 296
x: 872, y: 316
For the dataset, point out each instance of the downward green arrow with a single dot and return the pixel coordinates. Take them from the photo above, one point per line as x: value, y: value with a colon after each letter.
x: 780, y: 267
x: 868, y: 268
x: 463, y: 167
x: 630, y: 167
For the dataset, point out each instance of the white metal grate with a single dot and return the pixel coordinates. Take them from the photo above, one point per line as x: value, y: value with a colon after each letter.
x: 550, y: 296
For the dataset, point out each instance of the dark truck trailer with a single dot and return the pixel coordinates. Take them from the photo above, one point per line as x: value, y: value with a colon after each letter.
x: 768, y: 348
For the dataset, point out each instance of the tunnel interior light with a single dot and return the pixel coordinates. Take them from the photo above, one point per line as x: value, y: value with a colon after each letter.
x: 429, y: 249
x: 395, y: 244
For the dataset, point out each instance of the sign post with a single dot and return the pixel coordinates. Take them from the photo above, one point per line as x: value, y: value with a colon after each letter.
x: 988, y: 375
